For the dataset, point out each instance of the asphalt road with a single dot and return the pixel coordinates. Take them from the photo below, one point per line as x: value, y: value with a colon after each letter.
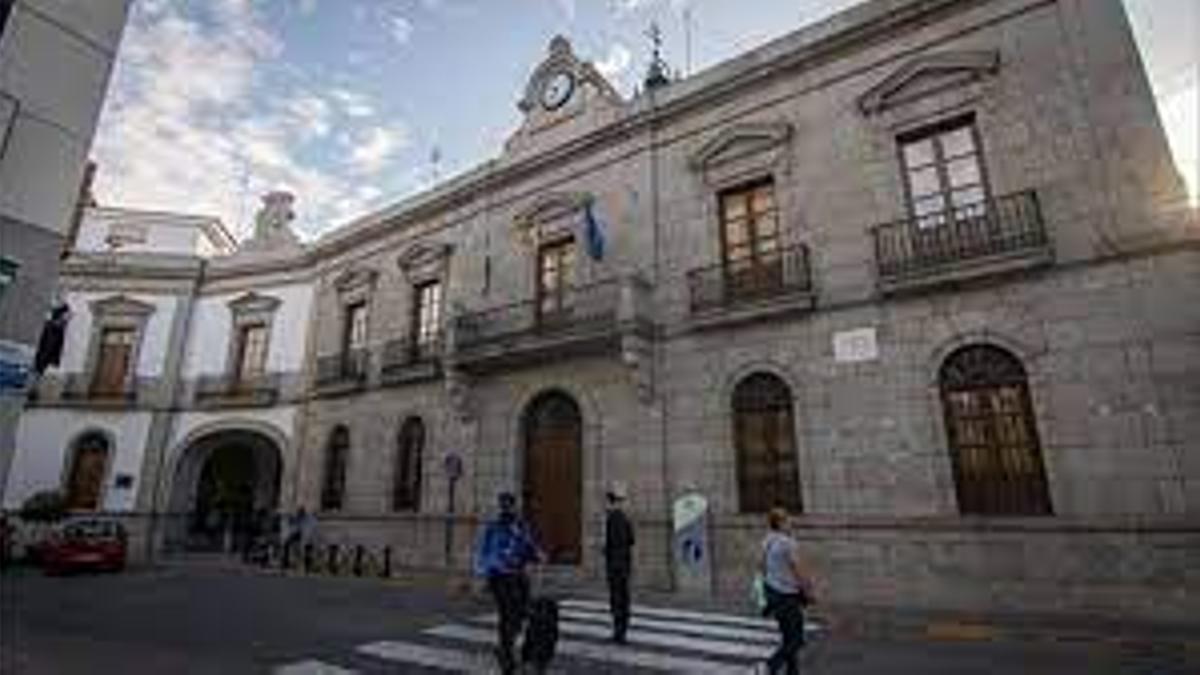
x: 203, y: 620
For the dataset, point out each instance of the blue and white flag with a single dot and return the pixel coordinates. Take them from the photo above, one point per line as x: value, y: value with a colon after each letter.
x: 593, y: 232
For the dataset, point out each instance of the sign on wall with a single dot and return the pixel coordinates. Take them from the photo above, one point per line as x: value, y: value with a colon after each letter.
x: 15, y: 360
x: 855, y: 346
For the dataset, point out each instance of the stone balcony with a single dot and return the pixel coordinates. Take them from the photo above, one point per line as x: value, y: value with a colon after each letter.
x: 998, y: 236
x: 776, y: 283
x: 606, y: 317
x: 342, y: 372
x: 405, y: 360
x: 230, y: 391
x: 84, y: 389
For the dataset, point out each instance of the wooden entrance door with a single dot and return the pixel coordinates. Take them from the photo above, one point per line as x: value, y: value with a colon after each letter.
x: 554, y: 476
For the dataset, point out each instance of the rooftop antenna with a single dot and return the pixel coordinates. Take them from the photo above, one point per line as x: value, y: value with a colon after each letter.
x: 435, y: 161
x: 687, y: 37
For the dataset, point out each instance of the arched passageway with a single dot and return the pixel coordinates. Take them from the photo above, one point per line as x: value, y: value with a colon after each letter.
x: 226, y: 488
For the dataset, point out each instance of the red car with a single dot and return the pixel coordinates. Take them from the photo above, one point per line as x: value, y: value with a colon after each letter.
x: 84, y: 544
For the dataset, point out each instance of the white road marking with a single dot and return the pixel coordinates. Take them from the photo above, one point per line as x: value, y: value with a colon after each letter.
x: 810, y: 626
x: 704, y: 629
x: 606, y: 653
x: 685, y: 614
x: 431, y: 657
x: 312, y: 667
x: 670, y: 640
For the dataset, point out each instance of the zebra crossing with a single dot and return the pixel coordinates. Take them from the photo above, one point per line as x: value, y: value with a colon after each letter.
x: 660, y: 639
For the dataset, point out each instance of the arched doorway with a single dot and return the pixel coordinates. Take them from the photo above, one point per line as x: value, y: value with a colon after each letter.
x: 85, y: 477
x: 553, y: 481
x: 226, y: 487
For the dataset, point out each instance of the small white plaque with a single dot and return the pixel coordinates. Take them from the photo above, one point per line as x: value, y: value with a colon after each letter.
x: 855, y: 346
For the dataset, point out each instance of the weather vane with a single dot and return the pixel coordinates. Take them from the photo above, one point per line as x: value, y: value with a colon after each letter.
x: 656, y: 76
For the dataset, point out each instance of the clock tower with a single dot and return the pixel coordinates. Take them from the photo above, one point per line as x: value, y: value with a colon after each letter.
x: 564, y: 97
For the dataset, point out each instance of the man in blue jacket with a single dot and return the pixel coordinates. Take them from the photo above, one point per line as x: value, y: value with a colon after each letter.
x: 505, y: 548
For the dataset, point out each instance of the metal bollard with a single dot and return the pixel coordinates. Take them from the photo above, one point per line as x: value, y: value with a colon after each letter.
x: 308, y: 558
x: 387, y: 562
x: 332, y: 564
x: 358, y: 560
x: 285, y: 558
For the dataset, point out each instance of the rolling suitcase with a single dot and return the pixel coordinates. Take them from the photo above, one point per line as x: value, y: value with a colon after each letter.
x: 541, y: 633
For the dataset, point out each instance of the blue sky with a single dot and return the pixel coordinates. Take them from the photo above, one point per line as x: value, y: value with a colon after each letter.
x: 214, y: 102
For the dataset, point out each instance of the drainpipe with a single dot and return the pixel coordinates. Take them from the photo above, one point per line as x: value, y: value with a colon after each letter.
x: 165, y: 418
x: 660, y: 400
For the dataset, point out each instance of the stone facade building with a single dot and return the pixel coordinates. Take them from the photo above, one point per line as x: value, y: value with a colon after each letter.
x: 913, y: 272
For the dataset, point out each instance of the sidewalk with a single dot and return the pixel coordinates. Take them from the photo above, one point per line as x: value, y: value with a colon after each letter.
x: 860, y: 622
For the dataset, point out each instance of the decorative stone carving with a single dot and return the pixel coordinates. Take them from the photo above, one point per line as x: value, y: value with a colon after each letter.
x: 926, y: 75
x: 424, y: 261
x: 253, y: 303
x: 742, y: 152
x: 119, y: 306
x: 550, y: 216
x: 355, y: 279
x: 275, y: 215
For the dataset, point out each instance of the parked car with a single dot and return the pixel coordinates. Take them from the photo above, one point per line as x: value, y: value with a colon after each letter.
x: 84, y: 543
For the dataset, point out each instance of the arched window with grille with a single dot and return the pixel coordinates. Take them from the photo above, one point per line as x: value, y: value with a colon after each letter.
x: 406, y: 482
x: 765, y: 442
x: 85, y: 479
x: 333, y: 486
x: 992, y: 433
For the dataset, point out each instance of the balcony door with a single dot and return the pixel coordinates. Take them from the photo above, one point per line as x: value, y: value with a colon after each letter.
x: 114, y: 360
x: 750, y: 241
x: 555, y: 274
x: 554, y: 475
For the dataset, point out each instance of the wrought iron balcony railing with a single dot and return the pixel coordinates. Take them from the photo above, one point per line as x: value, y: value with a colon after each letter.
x: 779, y: 274
x: 219, y: 390
x: 344, y: 368
x: 918, y: 248
x: 407, y: 359
x: 575, y: 310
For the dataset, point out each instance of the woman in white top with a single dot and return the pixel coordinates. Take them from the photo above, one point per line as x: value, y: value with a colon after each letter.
x: 787, y: 590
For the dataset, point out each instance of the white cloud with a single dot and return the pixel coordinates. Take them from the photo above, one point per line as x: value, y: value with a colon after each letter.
x: 353, y: 103
x: 400, y: 28
x: 616, y: 63
x: 567, y: 7
x: 376, y: 146
x: 194, y: 124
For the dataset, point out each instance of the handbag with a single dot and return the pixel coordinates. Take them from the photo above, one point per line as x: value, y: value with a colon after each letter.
x: 758, y: 592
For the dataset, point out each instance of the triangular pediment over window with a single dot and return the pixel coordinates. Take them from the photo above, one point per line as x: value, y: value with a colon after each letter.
x: 254, y: 302
x: 740, y: 140
x: 928, y: 74
x: 355, y: 279
x: 121, y: 305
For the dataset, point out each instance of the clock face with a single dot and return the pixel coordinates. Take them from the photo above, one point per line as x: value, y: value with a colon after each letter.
x: 557, y: 90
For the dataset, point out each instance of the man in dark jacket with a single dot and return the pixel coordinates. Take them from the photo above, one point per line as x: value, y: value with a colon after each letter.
x: 618, y: 560
x: 505, y: 548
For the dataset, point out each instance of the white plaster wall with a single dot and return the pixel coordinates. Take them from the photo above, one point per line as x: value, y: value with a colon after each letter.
x: 154, y: 340
x: 44, y: 437
x: 208, y: 343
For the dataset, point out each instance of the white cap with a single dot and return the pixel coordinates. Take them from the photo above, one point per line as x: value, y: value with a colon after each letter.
x: 617, y: 490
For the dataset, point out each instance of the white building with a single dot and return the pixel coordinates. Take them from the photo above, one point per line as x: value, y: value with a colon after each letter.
x: 166, y: 315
